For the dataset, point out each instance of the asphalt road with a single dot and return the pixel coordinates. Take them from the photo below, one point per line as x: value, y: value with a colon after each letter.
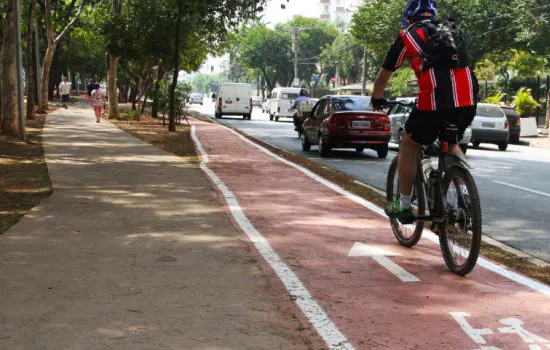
x: 513, y: 185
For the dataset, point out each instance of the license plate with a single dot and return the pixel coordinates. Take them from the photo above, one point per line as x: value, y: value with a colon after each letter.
x: 360, y: 124
x: 228, y: 102
x: 488, y: 125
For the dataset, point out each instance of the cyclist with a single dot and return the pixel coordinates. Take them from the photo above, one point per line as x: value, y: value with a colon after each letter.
x: 304, y: 97
x: 448, y: 90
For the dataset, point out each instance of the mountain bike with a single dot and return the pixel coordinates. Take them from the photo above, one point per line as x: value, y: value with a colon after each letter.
x: 446, y: 197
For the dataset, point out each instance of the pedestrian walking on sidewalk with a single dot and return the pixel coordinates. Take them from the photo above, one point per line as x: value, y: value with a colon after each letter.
x: 64, y: 91
x: 97, y: 101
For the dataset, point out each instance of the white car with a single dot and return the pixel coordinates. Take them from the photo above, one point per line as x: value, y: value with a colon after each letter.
x: 281, y: 102
x: 257, y: 101
x: 196, y: 98
x: 234, y: 99
x: 490, y: 126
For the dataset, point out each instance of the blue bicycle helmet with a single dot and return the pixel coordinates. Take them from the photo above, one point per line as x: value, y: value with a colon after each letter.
x: 418, y: 10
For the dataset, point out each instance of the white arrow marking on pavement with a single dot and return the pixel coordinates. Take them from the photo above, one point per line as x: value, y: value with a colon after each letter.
x: 380, y: 255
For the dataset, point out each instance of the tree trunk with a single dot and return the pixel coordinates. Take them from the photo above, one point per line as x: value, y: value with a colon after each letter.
x: 114, y: 112
x: 172, y: 116
x: 46, y: 67
x: 8, y: 120
x: 31, y: 67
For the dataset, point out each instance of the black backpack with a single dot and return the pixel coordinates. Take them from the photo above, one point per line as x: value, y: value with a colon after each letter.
x: 445, y: 46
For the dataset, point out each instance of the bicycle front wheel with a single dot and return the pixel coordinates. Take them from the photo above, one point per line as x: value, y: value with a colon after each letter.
x: 460, y: 233
x: 407, y: 235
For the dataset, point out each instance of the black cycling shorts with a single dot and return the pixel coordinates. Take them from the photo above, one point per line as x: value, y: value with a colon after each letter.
x: 424, y: 127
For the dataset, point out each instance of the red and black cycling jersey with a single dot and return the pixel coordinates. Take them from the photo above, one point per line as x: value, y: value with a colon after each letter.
x: 438, y: 88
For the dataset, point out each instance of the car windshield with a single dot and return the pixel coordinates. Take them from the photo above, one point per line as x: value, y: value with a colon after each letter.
x: 489, y: 111
x: 359, y: 103
x: 288, y: 96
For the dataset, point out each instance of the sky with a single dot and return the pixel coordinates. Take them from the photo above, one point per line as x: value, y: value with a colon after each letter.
x: 273, y: 15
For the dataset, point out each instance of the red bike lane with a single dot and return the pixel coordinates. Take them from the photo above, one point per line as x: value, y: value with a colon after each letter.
x: 378, y: 294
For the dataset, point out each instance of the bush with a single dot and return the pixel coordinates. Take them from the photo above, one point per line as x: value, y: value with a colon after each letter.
x: 131, y: 116
x: 524, y: 103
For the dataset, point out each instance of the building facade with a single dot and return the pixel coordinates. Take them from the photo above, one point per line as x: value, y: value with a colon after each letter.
x: 339, y: 12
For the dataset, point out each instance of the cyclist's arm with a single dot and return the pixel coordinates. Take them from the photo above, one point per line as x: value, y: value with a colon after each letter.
x: 395, y: 57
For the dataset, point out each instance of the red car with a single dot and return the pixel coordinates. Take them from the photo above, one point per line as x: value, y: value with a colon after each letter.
x: 346, y: 122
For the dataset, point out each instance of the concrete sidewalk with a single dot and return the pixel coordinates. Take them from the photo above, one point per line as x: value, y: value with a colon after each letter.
x: 134, y: 250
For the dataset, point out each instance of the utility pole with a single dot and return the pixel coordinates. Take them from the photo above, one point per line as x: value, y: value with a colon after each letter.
x: 296, y: 49
x: 19, y: 69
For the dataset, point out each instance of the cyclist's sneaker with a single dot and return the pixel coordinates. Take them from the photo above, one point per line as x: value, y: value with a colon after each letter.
x: 404, y: 215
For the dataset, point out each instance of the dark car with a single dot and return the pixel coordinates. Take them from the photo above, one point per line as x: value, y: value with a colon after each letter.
x: 515, y: 124
x: 346, y: 122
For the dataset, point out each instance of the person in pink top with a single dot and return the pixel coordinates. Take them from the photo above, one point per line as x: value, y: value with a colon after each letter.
x: 97, y: 101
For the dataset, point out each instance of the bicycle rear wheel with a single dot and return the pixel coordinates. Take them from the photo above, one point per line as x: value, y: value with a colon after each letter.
x: 460, y: 234
x: 407, y: 235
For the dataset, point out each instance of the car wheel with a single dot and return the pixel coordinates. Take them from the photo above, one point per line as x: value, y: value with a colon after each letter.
x: 463, y: 148
x: 382, y: 151
x: 359, y: 149
x: 503, y: 146
x: 276, y: 118
x: 306, y: 146
x: 475, y: 144
x: 271, y: 117
x: 218, y: 116
x: 324, y: 148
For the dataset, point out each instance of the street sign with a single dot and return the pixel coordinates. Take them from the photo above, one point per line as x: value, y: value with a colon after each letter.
x: 296, y: 82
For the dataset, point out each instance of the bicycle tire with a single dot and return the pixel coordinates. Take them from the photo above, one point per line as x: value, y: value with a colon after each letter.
x: 476, y: 223
x: 418, y: 193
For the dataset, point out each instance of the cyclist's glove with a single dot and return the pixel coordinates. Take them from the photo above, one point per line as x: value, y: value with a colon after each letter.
x: 379, y: 103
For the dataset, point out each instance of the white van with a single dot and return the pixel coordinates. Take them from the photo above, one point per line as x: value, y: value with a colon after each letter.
x: 234, y: 99
x: 281, y: 101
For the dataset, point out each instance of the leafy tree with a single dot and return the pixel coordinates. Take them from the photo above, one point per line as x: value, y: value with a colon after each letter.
x: 266, y: 50
x: 346, y: 53
x: 8, y: 77
x: 58, y: 19
x: 398, y: 83
x: 314, y: 36
x: 205, y: 83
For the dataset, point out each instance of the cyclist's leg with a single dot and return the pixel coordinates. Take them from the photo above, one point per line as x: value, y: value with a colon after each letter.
x: 407, y: 165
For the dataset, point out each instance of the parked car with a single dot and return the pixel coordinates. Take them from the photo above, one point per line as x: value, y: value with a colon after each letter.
x: 490, y: 126
x: 346, y: 122
x: 234, y: 99
x: 515, y: 124
x: 196, y: 98
x: 398, y: 117
x: 265, y: 106
x: 281, y: 102
x: 257, y: 101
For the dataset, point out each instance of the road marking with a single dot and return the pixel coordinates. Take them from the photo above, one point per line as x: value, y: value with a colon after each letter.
x: 311, y: 309
x: 523, y: 189
x: 380, y: 255
x: 474, y: 333
x: 489, y: 265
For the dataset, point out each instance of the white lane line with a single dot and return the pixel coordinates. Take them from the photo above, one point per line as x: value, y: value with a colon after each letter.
x: 380, y: 255
x: 311, y: 309
x: 489, y: 265
x: 523, y: 188
x: 397, y: 270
